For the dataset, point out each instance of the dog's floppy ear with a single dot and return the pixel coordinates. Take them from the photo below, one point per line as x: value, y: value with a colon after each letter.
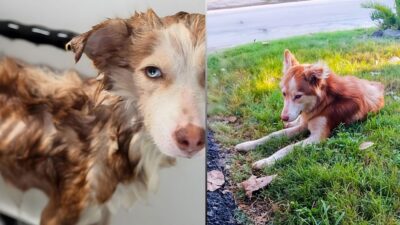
x: 105, y: 44
x: 317, y: 72
x: 288, y: 60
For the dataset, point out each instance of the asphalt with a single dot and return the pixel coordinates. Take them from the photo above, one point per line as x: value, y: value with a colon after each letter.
x: 231, y: 27
x: 220, y: 203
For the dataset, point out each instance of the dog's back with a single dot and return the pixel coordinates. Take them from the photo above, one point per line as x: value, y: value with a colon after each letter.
x: 48, y: 136
x: 33, y: 102
x: 353, y: 98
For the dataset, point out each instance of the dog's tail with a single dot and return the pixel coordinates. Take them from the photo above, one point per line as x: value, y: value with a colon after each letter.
x: 376, y: 94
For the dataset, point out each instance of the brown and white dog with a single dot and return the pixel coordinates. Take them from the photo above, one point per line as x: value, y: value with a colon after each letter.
x: 94, y: 144
x: 318, y: 100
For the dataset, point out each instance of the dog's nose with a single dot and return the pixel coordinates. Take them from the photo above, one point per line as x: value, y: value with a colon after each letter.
x: 284, y: 118
x: 190, y: 138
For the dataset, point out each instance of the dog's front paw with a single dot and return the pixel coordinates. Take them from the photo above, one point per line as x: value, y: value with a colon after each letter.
x: 245, y: 146
x: 289, y: 124
x: 263, y: 163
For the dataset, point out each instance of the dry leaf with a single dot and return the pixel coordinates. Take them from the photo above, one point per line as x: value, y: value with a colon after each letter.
x: 366, y: 145
x: 394, y: 60
x: 215, y: 179
x: 226, y: 191
x: 232, y: 119
x: 253, y: 183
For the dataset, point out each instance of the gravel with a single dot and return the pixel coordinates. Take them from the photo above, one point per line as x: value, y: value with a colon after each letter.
x: 220, y: 203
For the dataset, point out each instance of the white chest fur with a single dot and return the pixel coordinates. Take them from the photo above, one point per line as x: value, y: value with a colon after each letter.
x: 125, y: 194
x: 123, y: 197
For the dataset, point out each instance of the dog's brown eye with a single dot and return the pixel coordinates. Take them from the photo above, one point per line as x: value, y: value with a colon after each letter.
x: 153, y: 72
x: 297, y: 96
x: 283, y: 93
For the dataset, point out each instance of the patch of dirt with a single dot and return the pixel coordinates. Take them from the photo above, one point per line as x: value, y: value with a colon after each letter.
x: 224, y: 119
x: 233, y: 121
x: 259, y: 211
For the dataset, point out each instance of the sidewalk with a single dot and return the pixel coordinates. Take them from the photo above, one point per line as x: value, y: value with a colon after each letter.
x: 228, y: 28
x: 226, y: 4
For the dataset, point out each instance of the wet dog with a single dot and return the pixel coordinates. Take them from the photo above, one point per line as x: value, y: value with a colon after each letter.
x: 94, y: 144
x: 317, y: 100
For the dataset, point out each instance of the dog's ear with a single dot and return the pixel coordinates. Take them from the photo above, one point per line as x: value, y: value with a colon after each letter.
x: 105, y: 44
x: 288, y: 60
x: 317, y: 72
x: 194, y: 22
x: 147, y: 20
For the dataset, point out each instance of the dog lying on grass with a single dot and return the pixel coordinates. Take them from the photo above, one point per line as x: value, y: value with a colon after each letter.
x: 94, y: 144
x: 317, y: 100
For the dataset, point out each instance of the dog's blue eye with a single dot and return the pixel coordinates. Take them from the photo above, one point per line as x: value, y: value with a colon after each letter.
x: 153, y: 72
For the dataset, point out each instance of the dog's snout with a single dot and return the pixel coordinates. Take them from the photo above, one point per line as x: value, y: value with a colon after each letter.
x: 190, y: 138
x: 285, y: 118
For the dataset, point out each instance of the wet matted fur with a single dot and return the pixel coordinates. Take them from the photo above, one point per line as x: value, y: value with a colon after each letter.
x: 93, y: 144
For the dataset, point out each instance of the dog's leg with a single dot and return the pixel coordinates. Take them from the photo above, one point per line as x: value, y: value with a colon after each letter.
x: 289, y: 132
x: 319, y: 131
x: 105, y: 217
x: 49, y: 213
x: 65, y: 206
x: 282, y: 153
x: 57, y: 214
x: 60, y: 214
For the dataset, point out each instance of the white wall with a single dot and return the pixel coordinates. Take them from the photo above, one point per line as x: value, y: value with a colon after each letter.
x: 78, y: 16
x: 181, y: 196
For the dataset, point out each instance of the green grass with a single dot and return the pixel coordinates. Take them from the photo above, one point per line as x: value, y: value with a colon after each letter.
x: 330, y: 183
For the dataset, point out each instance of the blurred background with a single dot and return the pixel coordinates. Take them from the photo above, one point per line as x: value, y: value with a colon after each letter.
x: 180, y: 199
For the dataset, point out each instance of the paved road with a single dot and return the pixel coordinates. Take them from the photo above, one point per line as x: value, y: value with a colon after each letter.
x: 230, y: 27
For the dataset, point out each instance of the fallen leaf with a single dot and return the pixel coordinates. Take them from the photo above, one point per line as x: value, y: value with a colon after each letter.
x: 394, y: 60
x: 253, y: 183
x: 232, y: 119
x: 226, y: 191
x: 215, y: 179
x: 366, y: 145
x: 242, y: 206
